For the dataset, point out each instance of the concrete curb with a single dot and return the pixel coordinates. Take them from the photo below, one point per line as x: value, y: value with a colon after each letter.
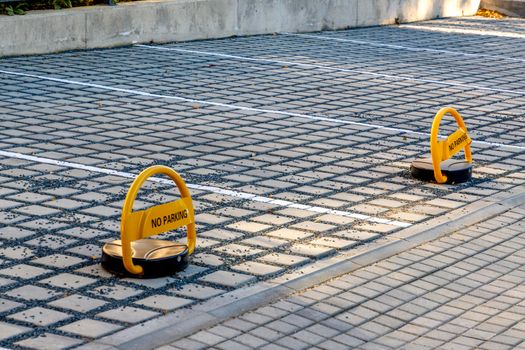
x: 163, y: 21
x: 185, y: 322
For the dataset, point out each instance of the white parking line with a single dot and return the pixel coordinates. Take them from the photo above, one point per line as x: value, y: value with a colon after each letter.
x: 218, y: 190
x: 269, y: 111
x: 496, y: 33
x: 406, y: 48
x: 379, y: 75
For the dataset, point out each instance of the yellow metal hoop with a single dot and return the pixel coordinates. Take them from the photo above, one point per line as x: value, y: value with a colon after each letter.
x: 443, y: 150
x: 133, y: 225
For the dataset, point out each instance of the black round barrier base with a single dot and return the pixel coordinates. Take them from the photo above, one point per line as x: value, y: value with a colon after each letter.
x: 455, y: 170
x: 158, y: 258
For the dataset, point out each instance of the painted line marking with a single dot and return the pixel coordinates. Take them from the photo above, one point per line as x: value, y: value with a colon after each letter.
x: 260, y: 110
x: 218, y: 190
x: 379, y: 75
x: 401, y: 47
x: 464, y: 31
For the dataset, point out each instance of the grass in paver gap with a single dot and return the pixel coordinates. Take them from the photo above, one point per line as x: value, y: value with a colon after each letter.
x: 318, y: 163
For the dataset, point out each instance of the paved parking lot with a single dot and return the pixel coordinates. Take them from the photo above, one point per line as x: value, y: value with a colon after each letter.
x: 295, y: 147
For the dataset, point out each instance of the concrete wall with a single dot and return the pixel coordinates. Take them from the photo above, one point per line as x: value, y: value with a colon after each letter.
x: 514, y: 8
x: 179, y: 20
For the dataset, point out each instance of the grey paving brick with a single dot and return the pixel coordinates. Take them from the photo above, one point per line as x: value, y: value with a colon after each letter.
x: 117, y: 292
x: 78, y: 303
x: 227, y: 279
x: 197, y: 291
x: 49, y: 341
x: 311, y: 251
x: 207, y: 338
x: 11, y: 330
x: 32, y: 293
x: 58, y: 260
x: 39, y: 316
x: 89, y: 328
x: 69, y: 281
x: 164, y: 302
x: 266, y: 333
x: 257, y: 269
x: 284, y: 259
x: 128, y: 314
x: 36, y: 210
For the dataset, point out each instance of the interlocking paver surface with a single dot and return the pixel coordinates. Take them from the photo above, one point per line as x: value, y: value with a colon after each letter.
x: 296, y: 147
x: 473, y: 299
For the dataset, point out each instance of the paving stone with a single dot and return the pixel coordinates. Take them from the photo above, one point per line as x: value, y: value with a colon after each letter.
x: 8, y: 305
x: 32, y: 293
x: 292, y: 342
x: 224, y: 331
x: 17, y: 253
x: 312, y: 226
x: 117, y: 292
x: 69, y: 281
x: 89, y: 250
x: 40, y: 316
x: 78, y: 303
x: 36, y: 210
x: 289, y: 234
x: 164, y: 302
x: 49, y: 341
x: 284, y: 259
x: 89, y: 328
x: 58, y: 260
x: 257, y: 269
x: 209, y: 259
x: 231, y: 344
x: 334, y: 242
x: 266, y: 333
x: 128, y: 314
x: 50, y: 241
x: 264, y: 242
x: 64, y: 203
x: 227, y: 279
x: 191, y: 271
x: 238, y: 250
x: 10, y: 232
x: 311, y: 251
x: 7, y: 204
x: 197, y: 291
x: 10, y: 330
x: 251, y: 227
x: 102, y: 211
x: 250, y: 340
x: 308, y: 337
x: 155, y: 283
x: 94, y: 270
x: 207, y: 338
x: 84, y: 232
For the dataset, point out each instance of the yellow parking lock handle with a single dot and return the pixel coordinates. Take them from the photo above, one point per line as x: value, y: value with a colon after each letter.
x: 155, y: 220
x: 443, y: 150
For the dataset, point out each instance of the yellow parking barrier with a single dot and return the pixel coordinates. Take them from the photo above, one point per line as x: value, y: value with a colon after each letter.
x: 137, y: 256
x: 440, y: 167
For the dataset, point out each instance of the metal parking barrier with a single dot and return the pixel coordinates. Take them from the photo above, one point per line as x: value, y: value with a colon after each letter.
x: 440, y: 167
x: 133, y: 255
